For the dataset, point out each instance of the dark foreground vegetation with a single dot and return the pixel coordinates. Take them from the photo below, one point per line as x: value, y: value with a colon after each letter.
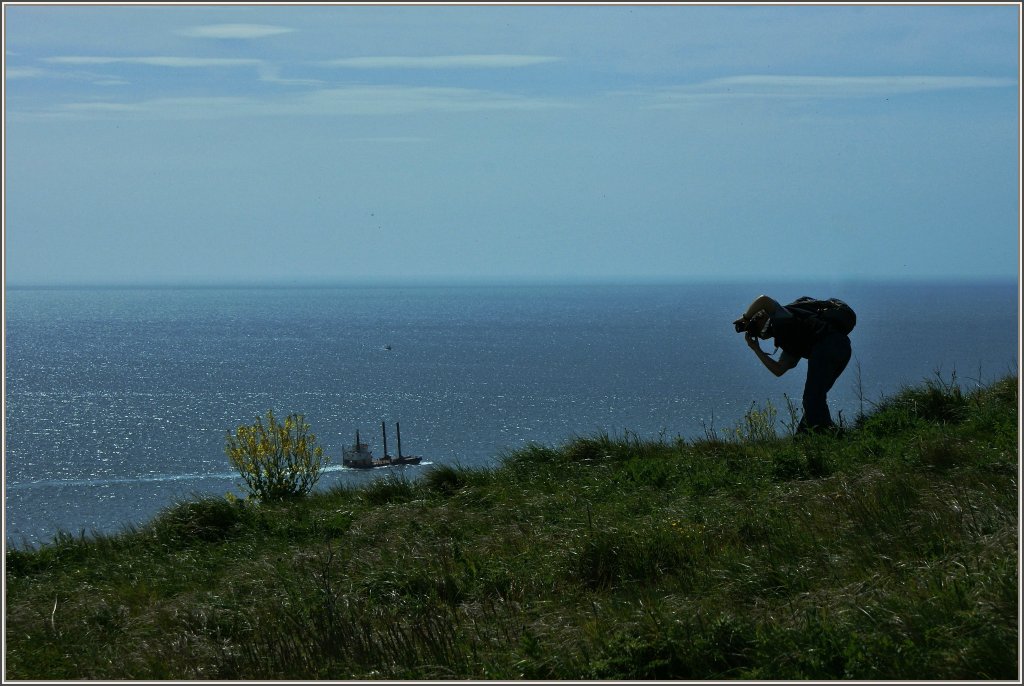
x: 889, y: 552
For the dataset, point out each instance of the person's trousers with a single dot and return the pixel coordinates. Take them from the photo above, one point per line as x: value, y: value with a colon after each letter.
x: 828, y: 359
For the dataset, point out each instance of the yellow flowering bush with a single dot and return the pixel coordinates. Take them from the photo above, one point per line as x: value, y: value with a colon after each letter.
x: 276, y: 460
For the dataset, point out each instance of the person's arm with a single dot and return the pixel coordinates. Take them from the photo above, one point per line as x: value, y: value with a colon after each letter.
x: 777, y: 367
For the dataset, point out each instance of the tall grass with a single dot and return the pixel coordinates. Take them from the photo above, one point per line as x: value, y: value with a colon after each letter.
x: 889, y: 552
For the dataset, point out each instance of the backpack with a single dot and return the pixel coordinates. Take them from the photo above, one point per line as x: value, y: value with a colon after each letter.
x: 831, y: 314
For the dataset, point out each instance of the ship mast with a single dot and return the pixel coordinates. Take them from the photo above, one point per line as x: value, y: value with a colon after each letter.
x: 384, y: 432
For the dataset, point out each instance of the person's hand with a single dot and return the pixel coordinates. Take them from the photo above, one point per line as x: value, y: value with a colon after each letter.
x: 753, y: 342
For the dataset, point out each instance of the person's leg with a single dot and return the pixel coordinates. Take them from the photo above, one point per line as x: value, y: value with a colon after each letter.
x: 828, y: 360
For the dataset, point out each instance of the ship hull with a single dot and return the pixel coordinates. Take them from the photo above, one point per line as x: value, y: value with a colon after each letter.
x: 383, y: 462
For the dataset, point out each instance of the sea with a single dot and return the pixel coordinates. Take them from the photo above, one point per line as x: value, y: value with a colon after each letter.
x: 117, y: 400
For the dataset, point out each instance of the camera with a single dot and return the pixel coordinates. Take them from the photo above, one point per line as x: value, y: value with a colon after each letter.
x: 760, y: 324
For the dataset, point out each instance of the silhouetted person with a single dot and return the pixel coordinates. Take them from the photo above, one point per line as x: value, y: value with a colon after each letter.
x: 815, y: 330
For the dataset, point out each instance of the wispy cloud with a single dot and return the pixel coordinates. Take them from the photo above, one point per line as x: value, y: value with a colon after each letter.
x: 36, y: 73
x: 405, y: 100
x: 158, y: 61
x: 234, y: 31
x: 271, y: 73
x: 819, y: 87
x: 348, y: 101
x: 109, y: 107
x: 267, y: 71
x: 27, y: 73
x: 441, y: 62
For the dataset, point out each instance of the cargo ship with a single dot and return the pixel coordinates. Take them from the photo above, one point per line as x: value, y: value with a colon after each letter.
x: 358, y: 455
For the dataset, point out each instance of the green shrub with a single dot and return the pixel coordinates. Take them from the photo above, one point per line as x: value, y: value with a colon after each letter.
x: 445, y: 479
x: 390, y: 489
x: 277, y: 461
x: 587, y: 449
x: 935, y: 402
x: 206, y: 519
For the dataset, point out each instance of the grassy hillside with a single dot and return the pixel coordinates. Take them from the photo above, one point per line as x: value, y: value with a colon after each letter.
x: 889, y: 552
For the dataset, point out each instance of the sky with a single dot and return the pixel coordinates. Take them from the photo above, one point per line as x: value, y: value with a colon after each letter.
x: 294, y: 144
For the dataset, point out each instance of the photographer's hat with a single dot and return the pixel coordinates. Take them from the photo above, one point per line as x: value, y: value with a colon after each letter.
x: 763, y: 302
